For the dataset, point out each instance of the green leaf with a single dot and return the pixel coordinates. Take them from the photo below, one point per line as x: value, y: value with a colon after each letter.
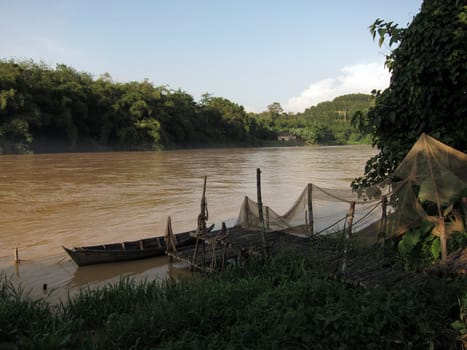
x: 408, y: 242
x: 436, y: 248
x: 411, y: 238
x: 458, y: 325
x: 448, y: 210
x: 426, y: 227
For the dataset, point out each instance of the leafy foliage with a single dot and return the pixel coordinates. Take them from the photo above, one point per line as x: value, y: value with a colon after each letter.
x: 428, y: 89
x: 420, y: 247
x: 44, y: 109
x: 330, y: 122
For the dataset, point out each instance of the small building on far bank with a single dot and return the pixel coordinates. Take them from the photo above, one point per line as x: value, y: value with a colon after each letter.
x: 286, y: 136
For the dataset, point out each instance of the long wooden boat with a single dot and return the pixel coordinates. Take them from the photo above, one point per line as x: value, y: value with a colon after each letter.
x: 125, y: 251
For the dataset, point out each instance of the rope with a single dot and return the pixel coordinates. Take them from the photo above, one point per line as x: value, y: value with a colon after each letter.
x: 345, y: 218
x: 326, y: 228
x: 368, y: 213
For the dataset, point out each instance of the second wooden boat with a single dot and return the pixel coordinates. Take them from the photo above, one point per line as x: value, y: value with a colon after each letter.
x: 125, y: 251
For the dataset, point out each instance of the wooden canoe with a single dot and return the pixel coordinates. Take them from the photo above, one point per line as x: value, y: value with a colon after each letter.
x: 125, y: 251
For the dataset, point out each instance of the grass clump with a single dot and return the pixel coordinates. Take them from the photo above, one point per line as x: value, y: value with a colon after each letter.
x: 285, y: 303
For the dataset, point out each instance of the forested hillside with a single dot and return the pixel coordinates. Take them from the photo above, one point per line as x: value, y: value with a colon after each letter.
x: 44, y: 109
x: 330, y: 122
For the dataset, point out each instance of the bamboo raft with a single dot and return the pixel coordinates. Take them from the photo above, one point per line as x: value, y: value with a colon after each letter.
x: 213, y: 250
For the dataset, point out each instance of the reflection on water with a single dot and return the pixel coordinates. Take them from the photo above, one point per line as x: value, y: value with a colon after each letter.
x: 64, y: 278
x: 151, y: 268
x: 84, y: 199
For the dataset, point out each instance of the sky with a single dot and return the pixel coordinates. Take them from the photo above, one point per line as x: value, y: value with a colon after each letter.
x: 252, y: 52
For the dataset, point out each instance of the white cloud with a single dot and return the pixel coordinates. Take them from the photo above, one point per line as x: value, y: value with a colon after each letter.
x: 358, y: 78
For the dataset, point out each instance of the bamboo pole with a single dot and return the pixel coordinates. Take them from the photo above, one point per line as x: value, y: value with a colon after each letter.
x: 464, y: 210
x: 202, y: 217
x: 195, y: 254
x: 17, y: 261
x: 247, y: 211
x: 442, y: 236
x: 224, y: 248
x: 169, y: 238
x: 348, y: 236
x: 260, y: 208
x: 267, y: 217
x: 383, y: 228
x: 310, y: 209
x: 351, y: 216
x: 440, y: 216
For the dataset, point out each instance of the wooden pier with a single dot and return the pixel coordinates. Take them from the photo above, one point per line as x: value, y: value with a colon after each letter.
x: 213, y: 250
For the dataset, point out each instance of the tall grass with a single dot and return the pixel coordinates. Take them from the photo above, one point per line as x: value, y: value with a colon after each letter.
x: 285, y: 303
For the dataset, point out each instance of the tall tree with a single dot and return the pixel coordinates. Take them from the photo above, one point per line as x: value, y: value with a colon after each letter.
x: 275, y: 109
x: 428, y: 88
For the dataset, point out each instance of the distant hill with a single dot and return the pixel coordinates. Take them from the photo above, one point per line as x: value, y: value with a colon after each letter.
x: 328, y: 122
x: 339, y: 109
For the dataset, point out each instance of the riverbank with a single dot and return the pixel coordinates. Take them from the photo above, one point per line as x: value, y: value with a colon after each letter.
x: 286, y: 303
x: 56, y: 147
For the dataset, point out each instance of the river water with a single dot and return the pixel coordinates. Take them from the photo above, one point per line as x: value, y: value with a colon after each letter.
x: 50, y: 200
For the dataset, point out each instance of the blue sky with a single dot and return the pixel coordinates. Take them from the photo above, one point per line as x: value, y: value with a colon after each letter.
x: 252, y: 52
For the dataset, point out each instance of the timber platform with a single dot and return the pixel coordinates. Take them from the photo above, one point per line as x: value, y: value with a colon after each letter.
x: 213, y: 250
x: 330, y: 255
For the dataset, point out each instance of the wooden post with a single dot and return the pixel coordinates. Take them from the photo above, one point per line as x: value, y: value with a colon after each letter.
x: 213, y: 254
x: 348, y: 235
x: 247, y: 211
x: 383, y: 228
x: 260, y: 208
x: 310, y: 210
x: 195, y: 254
x: 224, y: 243
x: 464, y: 210
x: 17, y: 256
x: 170, y: 239
x: 203, y: 215
x: 201, y: 230
x: 267, y: 217
x: 351, y: 216
x: 442, y: 238
x: 203, y: 245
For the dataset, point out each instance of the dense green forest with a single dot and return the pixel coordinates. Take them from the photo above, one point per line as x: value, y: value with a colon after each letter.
x: 44, y: 109
x: 428, y: 89
x: 330, y: 122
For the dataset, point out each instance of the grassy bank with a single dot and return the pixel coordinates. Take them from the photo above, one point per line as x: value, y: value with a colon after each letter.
x: 283, y: 304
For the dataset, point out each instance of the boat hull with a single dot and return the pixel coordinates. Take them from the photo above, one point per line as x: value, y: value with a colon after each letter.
x: 125, y: 251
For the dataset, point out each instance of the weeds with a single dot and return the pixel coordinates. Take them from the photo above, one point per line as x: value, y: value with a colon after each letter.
x: 283, y: 304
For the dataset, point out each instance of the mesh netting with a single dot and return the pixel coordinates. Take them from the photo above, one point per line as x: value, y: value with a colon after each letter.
x: 432, y: 173
x: 316, y: 211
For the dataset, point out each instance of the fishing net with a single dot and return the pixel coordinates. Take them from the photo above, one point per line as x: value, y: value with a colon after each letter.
x: 428, y: 184
x: 316, y: 211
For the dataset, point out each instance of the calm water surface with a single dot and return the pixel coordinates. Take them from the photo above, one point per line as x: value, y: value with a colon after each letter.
x: 51, y: 200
